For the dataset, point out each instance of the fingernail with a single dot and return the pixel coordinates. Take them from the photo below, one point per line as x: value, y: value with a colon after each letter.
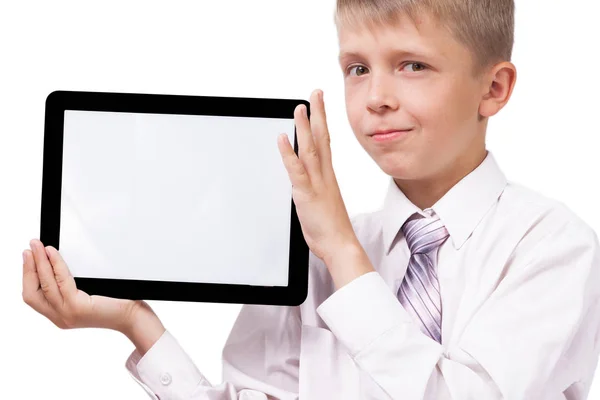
x: 24, y: 257
x: 321, y: 95
x: 304, y: 111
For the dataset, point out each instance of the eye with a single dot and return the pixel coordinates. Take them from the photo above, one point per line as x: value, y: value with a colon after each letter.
x: 416, y: 67
x: 355, y: 66
x: 420, y: 66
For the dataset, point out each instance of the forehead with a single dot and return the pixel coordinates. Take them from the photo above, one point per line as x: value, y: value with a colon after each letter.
x: 424, y: 37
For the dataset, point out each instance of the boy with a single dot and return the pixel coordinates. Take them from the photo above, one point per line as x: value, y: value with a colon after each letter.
x: 464, y: 286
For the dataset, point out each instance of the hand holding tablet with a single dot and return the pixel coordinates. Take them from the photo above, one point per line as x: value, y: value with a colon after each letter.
x: 50, y: 289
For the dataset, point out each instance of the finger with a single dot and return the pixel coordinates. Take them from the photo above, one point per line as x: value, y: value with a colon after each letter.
x: 46, y: 275
x: 318, y: 123
x: 296, y: 171
x: 64, y: 278
x: 31, y: 282
x: 307, y: 151
x: 32, y: 292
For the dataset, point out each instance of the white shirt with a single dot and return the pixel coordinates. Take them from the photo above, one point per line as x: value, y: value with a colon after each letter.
x: 520, y: 288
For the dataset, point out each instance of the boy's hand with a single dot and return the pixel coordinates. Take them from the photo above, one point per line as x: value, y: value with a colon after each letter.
x: 321, y: 210
x: 49, y: 288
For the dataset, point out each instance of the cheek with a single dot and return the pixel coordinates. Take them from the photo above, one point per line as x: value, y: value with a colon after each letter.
x: 431, y: 105
x: 443, y: 110
x: 353, y: 113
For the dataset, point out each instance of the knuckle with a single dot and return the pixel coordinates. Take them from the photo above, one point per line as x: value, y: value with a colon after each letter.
x: 311, y: 152
x: 27, y: 298
x: 301, y: 171
x: 45, y: 286
x: 312, y: 195
x: 294, y: 161
x: 297, y: 165
x: 61, y: 281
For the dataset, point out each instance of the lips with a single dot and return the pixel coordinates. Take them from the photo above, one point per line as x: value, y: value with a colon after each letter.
x: 384, y: 131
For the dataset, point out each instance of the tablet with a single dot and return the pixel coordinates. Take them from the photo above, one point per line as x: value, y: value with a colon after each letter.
x: 170, y: 197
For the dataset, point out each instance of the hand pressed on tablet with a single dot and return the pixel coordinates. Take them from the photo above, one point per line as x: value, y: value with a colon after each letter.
x: 325, y: 223
x: 49, y: 288
x: 321, y: 210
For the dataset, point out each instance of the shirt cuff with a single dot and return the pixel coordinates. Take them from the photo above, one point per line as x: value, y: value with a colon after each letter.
x: 165, y: 371
x: 363, y: 310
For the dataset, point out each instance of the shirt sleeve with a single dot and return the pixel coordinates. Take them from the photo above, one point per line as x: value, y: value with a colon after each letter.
x: 538, y: 319
x: 260, y: 361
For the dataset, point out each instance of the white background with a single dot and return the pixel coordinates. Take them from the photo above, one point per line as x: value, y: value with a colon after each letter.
x: 547, y: 137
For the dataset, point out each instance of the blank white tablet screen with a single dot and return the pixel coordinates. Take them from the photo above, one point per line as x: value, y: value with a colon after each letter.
x: 186, y: 198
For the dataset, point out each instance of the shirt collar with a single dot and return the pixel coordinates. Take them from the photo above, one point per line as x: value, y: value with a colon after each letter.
x: 460, y: 209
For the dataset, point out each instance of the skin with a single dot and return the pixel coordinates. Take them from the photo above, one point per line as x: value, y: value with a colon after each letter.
x: 435, y: 92
x: 437, y: 95
x: 49, y: 288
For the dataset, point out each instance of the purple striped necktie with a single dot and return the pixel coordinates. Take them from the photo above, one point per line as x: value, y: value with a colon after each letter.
x: 419, y: 292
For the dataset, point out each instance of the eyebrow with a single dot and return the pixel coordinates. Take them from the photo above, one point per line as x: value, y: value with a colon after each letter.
x: 397, y: 52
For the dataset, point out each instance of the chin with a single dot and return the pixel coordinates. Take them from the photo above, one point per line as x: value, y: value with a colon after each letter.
x: 395, y: 167
x: 398, y: 166
x: 398, y: 173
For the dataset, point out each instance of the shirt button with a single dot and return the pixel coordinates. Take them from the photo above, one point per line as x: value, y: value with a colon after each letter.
x: 165, y: 378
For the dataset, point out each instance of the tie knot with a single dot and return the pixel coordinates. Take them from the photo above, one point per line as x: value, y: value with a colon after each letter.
x: 424, y: 235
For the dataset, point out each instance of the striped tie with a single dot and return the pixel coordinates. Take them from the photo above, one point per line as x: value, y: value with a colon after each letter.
x: 419, y: 292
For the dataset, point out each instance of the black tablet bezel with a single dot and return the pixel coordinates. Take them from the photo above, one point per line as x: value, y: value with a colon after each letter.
x: 59, y: 101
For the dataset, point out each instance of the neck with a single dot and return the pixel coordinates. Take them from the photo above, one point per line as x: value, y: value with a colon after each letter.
x: 425, y: 193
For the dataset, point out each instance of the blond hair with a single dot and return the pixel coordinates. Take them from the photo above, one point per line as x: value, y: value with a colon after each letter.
x: 485, y: 27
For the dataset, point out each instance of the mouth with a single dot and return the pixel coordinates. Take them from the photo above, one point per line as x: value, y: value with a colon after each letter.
x: 389, y: 134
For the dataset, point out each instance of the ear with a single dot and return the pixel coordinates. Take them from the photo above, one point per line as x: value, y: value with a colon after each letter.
x: 498, y: 87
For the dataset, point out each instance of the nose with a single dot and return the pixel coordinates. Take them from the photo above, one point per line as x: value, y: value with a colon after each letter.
x: 382, y: 95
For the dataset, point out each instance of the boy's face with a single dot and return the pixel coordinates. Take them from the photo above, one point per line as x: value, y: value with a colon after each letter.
x: 431, y: 92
